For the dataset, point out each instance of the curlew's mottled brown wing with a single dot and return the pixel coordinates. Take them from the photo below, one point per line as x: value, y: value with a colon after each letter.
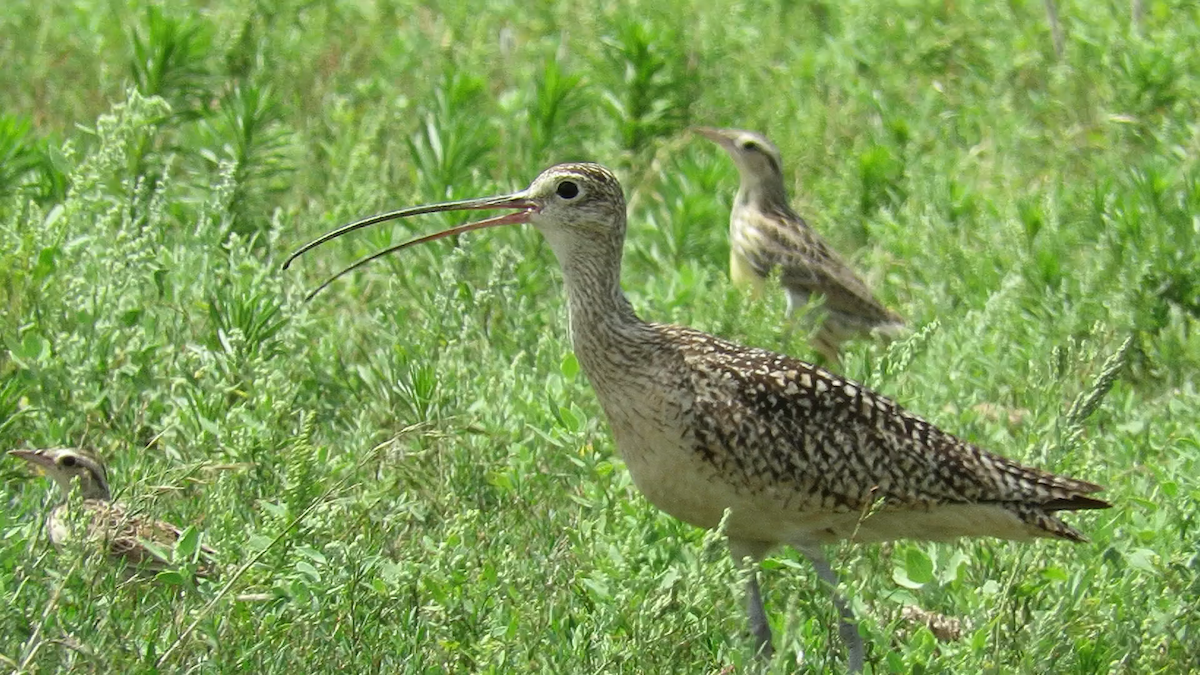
x: 774, y: 421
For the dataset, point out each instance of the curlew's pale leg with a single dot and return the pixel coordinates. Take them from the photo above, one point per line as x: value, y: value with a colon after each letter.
x: 847, y: 627
x: 759, y: 627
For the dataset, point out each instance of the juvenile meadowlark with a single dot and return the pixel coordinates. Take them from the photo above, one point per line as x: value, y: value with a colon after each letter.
x: 136, y: 541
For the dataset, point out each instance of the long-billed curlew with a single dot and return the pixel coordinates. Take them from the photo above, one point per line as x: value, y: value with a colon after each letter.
x: 795, y: 454
x: 765, y: 234
x: 106, y: 524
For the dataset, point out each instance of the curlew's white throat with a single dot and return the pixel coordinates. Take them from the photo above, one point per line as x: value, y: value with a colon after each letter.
x: 795, y: 454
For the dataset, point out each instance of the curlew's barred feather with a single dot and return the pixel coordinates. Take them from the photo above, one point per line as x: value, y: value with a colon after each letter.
x: 780, y: 424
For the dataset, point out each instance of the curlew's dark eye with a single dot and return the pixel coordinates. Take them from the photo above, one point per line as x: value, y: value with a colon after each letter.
x: 749, y: 145
x: 567, y: 189
x: 68, y: 461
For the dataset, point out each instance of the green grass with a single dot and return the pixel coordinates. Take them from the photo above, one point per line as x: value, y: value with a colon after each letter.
x: 411, y: 469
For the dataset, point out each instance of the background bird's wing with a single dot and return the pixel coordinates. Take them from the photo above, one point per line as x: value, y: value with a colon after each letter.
x: 123, y: 535
x: 141, y: 542
x: 809, y: 266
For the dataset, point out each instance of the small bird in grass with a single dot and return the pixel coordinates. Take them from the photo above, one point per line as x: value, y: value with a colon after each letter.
x: 793, y: 453
x: 766, y: 235
x: 134, y: 540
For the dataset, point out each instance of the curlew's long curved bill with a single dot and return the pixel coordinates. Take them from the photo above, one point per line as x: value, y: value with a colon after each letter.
x: 525, y: 206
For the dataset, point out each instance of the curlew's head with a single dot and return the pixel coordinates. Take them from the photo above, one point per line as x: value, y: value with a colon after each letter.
x: 758, y: 161
x: 582, y: 198
x: 579, y: 208
x: 66, y: 466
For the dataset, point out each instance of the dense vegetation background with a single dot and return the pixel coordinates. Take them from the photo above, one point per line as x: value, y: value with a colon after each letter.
x: 409, y: 474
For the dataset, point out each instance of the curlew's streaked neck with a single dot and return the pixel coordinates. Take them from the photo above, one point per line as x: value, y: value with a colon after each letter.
x: 605, y: 330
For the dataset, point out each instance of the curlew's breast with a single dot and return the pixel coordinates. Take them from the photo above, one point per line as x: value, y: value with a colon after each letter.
x: 651, y: 427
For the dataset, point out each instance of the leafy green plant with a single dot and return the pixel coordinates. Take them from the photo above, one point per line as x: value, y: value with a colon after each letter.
x: 555, y: 114
x: 683, y: 222
x: 1153, y: 75
x: 650, y: 85
x: 880, y: 175
x: 449, y: 147
x: 10, y: 402
x: 248, y: 132
x: 405, y: 385
x: 169, y: 58
x: 18, y: 156
x: 246, y: 324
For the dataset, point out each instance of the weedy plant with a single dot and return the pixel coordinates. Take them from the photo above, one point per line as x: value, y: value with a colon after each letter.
x: 650, y: 86
x: 27, y: 163
x: 553, y: 110
x: 18, y: 159
x: 247, y: 133
x: 169, y: 58
x: 451, y: 142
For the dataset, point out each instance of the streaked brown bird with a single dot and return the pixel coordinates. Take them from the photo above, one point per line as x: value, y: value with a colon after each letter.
x: 793, y: 453
x: 766, y: 235
x: 94, y: 516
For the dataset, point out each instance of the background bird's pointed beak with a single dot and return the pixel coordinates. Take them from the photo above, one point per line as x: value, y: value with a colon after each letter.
x: 713, y: 134
x: 33, y: 457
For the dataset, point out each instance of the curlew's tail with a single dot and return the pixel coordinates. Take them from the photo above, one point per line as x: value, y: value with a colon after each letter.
x: 1075, y: 503
x: 1046, y: 524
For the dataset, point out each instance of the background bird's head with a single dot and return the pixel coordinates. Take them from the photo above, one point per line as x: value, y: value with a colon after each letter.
x: 758, y: 160
x: 68, y: 466
x: 755, y: 155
